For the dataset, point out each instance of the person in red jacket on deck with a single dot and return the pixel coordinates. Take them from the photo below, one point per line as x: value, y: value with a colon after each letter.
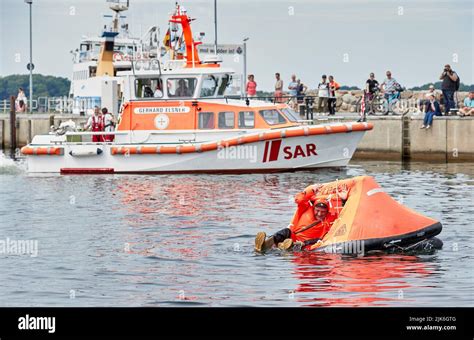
x: 311, y: 222
x: 96, y: 124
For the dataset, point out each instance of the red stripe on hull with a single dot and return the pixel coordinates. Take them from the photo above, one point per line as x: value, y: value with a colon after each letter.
x: 79, y: 171
x: 275, y: 150
x: 265, y: 152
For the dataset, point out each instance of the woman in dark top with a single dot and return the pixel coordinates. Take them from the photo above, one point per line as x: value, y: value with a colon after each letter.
x: 432, y: 109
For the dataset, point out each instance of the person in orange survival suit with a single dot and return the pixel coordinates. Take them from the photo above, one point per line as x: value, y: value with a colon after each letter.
x: 308, y: 226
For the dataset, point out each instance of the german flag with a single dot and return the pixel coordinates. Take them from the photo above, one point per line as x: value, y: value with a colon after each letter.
x: 167, y: 39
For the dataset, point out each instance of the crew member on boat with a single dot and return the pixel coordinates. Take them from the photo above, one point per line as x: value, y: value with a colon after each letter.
x: 109, y: 124
x: 96, y: 124
x: 158, y: 92
x: 182, y: 90
x: 315, y: 220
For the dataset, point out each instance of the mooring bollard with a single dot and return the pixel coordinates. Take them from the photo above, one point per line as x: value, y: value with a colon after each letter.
x: 12, y: 126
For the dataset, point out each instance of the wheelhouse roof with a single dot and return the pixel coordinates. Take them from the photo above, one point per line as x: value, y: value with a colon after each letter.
x: 181, y: 71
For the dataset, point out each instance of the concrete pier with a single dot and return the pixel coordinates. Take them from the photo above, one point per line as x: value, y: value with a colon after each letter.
x: 450, y: 139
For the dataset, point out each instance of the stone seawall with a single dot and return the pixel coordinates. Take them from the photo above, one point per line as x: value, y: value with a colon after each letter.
x: 348, y: 101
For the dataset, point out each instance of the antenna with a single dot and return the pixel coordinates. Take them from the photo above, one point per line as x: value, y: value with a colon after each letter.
x: 117, y: 6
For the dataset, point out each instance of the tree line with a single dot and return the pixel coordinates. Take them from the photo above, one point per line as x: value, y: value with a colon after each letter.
x: 43, y: 86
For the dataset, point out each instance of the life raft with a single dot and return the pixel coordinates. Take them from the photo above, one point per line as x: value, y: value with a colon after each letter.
x: 368, y: 219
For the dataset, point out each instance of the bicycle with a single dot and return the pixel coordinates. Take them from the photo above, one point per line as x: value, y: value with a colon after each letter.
x: 379, y: 104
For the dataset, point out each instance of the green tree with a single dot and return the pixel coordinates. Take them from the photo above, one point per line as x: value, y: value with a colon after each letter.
x: 43, y: 86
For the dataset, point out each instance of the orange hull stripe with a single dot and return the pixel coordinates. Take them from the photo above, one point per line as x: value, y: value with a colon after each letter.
x: 39, y: 151
x: 303, y: 131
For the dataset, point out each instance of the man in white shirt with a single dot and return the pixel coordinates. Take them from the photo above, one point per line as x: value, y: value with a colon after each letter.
x: 323, y: 94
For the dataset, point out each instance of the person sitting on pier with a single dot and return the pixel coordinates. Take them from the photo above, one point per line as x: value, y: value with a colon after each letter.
x: 432, y: 109
x: 310, y: 228
x: 431, y: 91
x: 468, y: 106
x: 96, y: 124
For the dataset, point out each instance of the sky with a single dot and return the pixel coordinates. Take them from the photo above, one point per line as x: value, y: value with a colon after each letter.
x: 346, y: 38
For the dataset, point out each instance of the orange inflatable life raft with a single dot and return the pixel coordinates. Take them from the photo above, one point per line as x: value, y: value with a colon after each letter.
x: 365, y: 218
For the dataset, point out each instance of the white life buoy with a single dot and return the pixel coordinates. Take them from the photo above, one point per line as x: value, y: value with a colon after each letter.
x: 117, y: 56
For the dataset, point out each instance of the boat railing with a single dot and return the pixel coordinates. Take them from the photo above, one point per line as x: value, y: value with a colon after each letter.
x: 174, y: 64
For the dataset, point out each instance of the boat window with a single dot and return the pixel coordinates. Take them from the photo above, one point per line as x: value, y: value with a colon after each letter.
x: 226, y: 120
x: 96, y: 49
x: 246, y: 120
x: 225, y: 81
x: 206, y: 120
x: 272, y: 116
x: 181, y: 87
x: 149, y: 88
x: 290, y: 114
x: 126, y: 50
x: 209, y: 85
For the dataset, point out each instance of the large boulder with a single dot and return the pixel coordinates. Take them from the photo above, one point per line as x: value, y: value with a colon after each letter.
x: 348, y: 98
x: 406, y: 94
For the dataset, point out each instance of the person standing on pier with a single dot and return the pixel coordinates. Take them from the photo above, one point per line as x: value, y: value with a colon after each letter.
x: 96, y: 124
x: 251, y: 88
x: 449, y: 85
x: 389, y: 87
x: 300, y: 91
x: 293, y: 87
x: 333, y: 87
x: 371, y: 88
x: 21, y: 101
x: 278, y: 88
x: 323, y: 94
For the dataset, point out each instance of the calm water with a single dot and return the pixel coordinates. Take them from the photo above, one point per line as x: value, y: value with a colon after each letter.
x: 187, y: 240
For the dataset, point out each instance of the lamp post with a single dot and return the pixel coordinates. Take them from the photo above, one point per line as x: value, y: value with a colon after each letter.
x: 245, y: 66
x: 215, y: 27
x: 30, y: 66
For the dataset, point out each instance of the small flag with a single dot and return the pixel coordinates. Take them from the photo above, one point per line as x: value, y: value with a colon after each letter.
x: 362, y: 105
x: 167, y: 39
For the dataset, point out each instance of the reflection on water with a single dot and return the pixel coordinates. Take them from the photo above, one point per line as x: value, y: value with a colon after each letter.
x: 187, y: 240
x: 336, y: 280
